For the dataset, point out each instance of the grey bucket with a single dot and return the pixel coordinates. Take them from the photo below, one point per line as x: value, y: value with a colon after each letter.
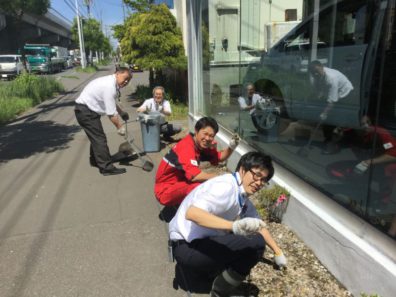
x: 150, y: 126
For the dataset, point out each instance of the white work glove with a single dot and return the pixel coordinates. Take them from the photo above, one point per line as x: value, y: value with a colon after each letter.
x: 247, y: 226
x: 323, y: 116
x: 121, y: 131
x: 234, y: 141
x: 280, y: 260
x: 361, y: 167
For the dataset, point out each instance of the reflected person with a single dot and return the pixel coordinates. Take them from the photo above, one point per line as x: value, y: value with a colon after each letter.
x: 249, y: 103
x: 332, y: 86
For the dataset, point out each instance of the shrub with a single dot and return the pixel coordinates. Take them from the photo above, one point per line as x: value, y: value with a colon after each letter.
x: 88, y: 69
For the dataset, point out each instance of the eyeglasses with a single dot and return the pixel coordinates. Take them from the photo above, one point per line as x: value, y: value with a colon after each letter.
x: 258, y: 177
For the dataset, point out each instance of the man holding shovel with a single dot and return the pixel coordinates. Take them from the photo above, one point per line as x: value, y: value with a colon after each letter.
x: 333, y: 86
x: 99, y: 98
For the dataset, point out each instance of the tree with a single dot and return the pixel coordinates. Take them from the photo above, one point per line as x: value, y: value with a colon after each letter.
x: 154, y: 41
x: 17, y: 9
x: 94, y: 38
x: 139, y: 5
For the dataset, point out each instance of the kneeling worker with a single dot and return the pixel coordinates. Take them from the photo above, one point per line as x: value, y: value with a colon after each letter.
x: 160, y: 104
x: 217, y: 230
x: 179, y: 173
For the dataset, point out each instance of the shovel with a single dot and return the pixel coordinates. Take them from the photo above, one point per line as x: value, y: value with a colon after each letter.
x: 304, y: 151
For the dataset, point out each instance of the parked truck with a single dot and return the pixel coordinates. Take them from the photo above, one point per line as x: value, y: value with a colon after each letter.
x: 44, y: 58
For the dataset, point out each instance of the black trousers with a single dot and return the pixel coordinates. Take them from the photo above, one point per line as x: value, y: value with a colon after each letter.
x: 90, y: 122
x: 217, y: 253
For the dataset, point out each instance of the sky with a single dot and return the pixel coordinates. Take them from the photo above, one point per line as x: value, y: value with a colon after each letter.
x: 109, y: 12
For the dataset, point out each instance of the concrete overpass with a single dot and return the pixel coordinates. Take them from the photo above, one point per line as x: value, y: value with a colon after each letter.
x: 34, y: 29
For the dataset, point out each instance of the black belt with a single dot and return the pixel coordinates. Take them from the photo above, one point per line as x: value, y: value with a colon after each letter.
x: 178, y: 243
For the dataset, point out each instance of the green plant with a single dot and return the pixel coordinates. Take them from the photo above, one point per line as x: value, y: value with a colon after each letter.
x: 70, y: 76
x: 143, y: 92
x: 371, y: 295
x: 179, y: 111
x: 272, y: 202
x: 88, y: 69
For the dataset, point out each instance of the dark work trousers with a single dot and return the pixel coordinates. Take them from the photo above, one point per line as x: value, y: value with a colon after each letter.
x: 90, y: 122
x: 217, y: 253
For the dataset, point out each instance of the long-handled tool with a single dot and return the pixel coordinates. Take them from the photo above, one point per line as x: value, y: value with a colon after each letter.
x: 304, y: 151
x: 129, y: 151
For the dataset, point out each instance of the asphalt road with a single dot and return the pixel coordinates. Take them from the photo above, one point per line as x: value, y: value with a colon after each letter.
x: 66, y: 230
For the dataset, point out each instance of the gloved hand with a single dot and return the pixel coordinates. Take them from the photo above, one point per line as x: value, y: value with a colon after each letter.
x: 121, y: 131
x: 280, y: 260
x: 124, y: 115
x: 361, y: 167
x: 234, y: 141
x: 323, y: 116
x: 247, y: 226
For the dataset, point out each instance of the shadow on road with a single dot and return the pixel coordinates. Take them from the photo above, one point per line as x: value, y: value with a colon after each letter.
x: 22, y: 140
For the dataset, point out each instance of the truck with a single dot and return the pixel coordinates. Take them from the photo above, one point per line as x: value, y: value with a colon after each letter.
x: 353, y: 47
x: 44, y: 58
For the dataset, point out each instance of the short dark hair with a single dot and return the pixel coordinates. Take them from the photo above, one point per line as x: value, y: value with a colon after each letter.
x: 314, y: 64
x: 207, y: 122
x: 256, y: 160
x: 122, y: 69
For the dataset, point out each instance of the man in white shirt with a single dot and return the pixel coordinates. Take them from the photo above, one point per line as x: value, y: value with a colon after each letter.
x: 217, y: 230
x: 333, y: 86
x: 250, y: 102
x: 97, y: 99
x: 160, y: 104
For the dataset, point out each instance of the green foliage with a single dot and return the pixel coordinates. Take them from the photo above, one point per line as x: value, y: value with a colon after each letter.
x: 153, y: 40
x: 94, y: 39
x: 12, y: 106
x: 88, y: 69
x: 104, y: 62
x: 25, y: 91
x: 179, y: 111
x: 18, y: 7
x: 371, y: 295
x: 143, y: 92
x: 139, y: 5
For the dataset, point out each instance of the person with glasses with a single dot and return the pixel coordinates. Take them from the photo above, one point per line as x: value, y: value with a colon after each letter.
x: 98, y: 98
x: 333, y: 86
x: 179, y: 173
x: 217, y: 233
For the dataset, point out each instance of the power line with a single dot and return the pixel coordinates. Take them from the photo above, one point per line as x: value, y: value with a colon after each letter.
x: 61, y: 16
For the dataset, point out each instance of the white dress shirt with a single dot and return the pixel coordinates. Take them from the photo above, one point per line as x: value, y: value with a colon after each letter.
x: 153, y: 106
x: 100, y: 95
x: 222, y: 196
x: 243, y: 104
x: 338, y: 84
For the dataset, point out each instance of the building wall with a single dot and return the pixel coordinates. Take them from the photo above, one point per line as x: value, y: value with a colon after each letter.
x: 342, y: 214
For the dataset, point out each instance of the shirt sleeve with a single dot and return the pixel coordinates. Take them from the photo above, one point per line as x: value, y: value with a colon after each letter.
x: 187, y: 161
x: 167, y: 106
x: 242, y: 102
x: 145, y: 104
x: 214, y: 197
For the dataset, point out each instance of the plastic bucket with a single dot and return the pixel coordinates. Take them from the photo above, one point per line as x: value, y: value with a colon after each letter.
x: 150, y: 126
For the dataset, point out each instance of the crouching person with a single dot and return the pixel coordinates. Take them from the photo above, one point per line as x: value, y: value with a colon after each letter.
x: 217, y: 230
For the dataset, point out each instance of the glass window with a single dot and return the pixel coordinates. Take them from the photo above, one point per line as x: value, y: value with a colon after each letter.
x: 320, y: 99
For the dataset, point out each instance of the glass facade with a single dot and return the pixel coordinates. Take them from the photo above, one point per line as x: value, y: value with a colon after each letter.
x: 313, y: 84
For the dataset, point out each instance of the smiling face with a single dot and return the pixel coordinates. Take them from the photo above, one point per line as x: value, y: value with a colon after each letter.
x: 158, y: 96
x: 123, y: 78
x: 253, y: 180
x: 204, y: 137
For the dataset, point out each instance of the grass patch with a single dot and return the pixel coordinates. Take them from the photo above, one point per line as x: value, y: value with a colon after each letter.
x: 70, y: 76
x: 103, y: 62
x: 88, y: 69
x: 179, y: 111
x: 24, y: 92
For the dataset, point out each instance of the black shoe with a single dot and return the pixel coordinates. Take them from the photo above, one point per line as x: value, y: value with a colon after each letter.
x: 112, y: 171
x: 92, y: 162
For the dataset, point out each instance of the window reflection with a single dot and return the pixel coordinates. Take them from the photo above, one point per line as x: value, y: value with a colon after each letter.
x: 270, y: 91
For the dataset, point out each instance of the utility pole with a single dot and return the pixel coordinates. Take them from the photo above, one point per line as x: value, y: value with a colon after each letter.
x: 80, y: 37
